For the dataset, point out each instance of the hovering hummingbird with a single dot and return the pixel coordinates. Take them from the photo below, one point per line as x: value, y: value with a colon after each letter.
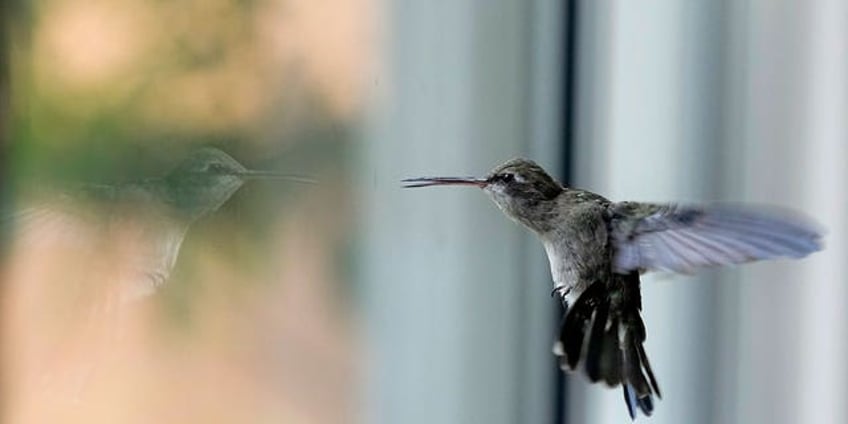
x: 597, y: 250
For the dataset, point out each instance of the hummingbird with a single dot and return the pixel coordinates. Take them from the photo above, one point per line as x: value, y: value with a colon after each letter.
x: 79, y: 256
x: 149, y: 217
x: 597, y: 250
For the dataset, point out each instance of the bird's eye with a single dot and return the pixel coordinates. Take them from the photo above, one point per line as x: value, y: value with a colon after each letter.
x: 507, y: 178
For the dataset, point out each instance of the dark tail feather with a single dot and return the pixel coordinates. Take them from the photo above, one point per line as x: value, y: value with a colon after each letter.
x: 634, y: 370
x: 647, y: 365
x: 605, y: 334
x: 576, y: 321
x: 603, y: 357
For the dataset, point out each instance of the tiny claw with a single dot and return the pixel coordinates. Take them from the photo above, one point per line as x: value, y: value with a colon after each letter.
x: 562, y: 291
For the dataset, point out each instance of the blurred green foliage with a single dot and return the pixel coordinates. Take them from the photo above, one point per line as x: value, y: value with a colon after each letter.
x: 108, y: 91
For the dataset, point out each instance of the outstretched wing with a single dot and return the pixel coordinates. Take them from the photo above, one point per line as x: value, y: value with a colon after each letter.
x: 682, y: 238
x: 68, y: 217
x: 68, y: 267
x: 128, y: 236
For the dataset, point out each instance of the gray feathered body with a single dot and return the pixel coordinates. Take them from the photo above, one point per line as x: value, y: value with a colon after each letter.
x: 602, y: 332
x: 578, y: 247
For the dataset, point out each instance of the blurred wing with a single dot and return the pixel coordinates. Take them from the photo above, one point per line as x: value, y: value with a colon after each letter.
x: 75, y: 259
x: 679, y: 238
x: 57, y: 219
x: 132, y: 242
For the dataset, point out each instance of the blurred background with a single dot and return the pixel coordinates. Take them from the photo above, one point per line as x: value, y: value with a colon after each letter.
x: 355, y: 301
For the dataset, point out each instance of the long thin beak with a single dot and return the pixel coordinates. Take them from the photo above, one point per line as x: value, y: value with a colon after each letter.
x: 437, y: 181
x: 270, y: 175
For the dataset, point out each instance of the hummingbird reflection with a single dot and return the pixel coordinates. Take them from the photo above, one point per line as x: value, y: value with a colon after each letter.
x: 597, y: 250
x: 77, y: 258
x: 150, y: 217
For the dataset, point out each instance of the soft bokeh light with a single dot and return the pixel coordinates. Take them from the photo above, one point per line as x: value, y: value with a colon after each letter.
x: 201, y: 66
x: 80, y: 44
x: 253, y: 324
x: 268, y: 342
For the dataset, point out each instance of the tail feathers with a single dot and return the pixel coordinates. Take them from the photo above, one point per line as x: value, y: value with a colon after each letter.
x: 606, y: 339
x: 603, y: 358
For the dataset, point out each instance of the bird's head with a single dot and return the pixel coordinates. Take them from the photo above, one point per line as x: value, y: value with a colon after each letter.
x: 520, y: 188
x: 208, y: 177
